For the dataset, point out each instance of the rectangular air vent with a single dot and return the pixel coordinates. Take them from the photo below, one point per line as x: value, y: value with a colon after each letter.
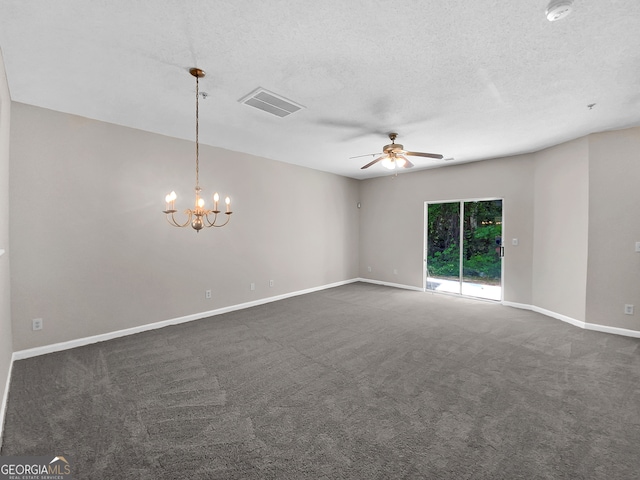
x: 270, y: 102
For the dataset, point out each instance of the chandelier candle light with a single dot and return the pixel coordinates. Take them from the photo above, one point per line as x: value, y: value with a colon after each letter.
x: 199, y: 216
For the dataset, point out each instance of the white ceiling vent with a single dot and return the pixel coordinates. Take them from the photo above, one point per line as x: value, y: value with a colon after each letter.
x: 270, y: 102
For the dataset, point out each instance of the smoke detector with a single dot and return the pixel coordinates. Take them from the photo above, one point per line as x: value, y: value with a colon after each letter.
x: 558, y: 9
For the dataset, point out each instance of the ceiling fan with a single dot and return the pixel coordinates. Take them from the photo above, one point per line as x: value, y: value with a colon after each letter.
x: 395, y: 156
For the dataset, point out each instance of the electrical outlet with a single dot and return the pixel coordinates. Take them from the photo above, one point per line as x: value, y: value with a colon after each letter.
x: 638, y: 247
x: 37, y: 324
x: 207, y: 294
x: 514, y: 242
x: 395, y: 271
x: 368, y: 269
x: 271, y: 283
x: 252, y: 286
x: 628, y: 309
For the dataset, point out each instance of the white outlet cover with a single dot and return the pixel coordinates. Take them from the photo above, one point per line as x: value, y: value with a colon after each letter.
x: 638, y: 247
x: 514, y: 242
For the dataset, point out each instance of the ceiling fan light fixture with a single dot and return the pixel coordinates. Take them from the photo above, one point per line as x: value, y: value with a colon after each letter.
x: 558, y: 9
x: 389, y: 163
x: 393, y: 156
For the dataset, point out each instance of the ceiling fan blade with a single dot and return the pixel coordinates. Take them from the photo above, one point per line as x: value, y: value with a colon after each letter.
x: 367, y: 155
x: 358, y: 129
x: 374, y: 162
x: 407, y: 163
x: 421, y: 154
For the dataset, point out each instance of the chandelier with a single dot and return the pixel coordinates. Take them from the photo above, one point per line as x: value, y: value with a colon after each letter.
x: 199, y: 217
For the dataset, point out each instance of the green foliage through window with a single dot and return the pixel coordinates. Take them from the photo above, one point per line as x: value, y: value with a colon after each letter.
x: 482, y: 232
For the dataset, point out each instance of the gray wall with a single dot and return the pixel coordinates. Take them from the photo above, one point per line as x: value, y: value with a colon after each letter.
x: 94, y: 255
x: 92, y: 252
x: 392, y: 218
x: 6, y: 347
x: 573, y: 207
x: 561, y: 228
x: 614, y: 227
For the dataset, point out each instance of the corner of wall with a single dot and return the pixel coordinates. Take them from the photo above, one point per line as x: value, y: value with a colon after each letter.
x: 613, y: 271
x: 6, y: 334
x: 561, y: 225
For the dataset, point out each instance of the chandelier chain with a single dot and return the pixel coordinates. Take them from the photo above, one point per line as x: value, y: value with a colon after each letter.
x: 197, y: 129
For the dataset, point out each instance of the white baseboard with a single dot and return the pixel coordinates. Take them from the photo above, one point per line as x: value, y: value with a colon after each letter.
x: 522, y: 306
x: 615, y: 330
x: 5, y: 399
x: 564, y: 318
x: 57, y: 347
x: 558, y: 316
x: 578, y: 323
x: 389, y: 284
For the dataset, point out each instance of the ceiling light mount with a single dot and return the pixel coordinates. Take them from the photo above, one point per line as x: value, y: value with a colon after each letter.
x: 198, y: 218
x: 196, y: 72
x: 558, y: 9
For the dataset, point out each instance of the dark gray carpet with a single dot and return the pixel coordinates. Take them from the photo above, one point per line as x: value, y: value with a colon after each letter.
x: 358, y: 382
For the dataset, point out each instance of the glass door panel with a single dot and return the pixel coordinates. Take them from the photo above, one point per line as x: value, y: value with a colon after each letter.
x: 443, y: 247
x: 475, y: 270
x: 482, y: 249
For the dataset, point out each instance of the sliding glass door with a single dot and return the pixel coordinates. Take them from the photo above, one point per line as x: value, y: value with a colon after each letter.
x: 443, y: 247
x: 464, y: 248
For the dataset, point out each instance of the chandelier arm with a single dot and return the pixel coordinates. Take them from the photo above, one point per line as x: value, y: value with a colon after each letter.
x: 215, y: 219
x: 209, y: 223
x: 227, y: 221
x: 174, y: 222
x: 222, y: 224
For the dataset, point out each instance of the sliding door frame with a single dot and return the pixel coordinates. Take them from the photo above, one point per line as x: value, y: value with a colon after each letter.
x: 425, y: 244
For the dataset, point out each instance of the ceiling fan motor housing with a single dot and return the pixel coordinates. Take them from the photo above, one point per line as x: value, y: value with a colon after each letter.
x: 393, y: 147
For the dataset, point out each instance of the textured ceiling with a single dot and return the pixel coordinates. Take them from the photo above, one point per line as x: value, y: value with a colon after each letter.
x: 468, y: 79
